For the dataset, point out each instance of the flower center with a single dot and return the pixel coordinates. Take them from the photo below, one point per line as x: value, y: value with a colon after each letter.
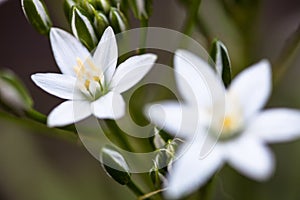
x: 90, y: 79
x: 230, y: 125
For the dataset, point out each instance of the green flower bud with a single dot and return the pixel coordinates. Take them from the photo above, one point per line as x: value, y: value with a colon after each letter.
x: 37, y: 14
x: 68, y: 5
x: 117, y: 20
x: 13, y: 95
x: 88, y: 7
x: 115, y: 165
x: 100, y: 23
x: 83, y: 28
x: 220, y: 57
x: 103, y: 5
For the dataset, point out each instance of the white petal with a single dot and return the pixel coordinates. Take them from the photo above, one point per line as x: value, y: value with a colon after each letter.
x: 60, y: 85
x: 67, y: 50
x: 132, y: 71
x: 190, y: 172
x: 196, y: 81
x: 252, y: 87
x: 250, y: 157
x: 69, y: 112
x: 109, y: 106
x: 106, y: 54
x: 176, y: 118
x: 276, y: 125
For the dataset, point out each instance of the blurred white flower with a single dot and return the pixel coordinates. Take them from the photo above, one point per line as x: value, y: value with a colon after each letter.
x: 229, y: 122
x: 91, y: 84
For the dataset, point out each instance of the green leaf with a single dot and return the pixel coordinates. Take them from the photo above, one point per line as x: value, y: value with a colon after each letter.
x: 37, y: 14
x: 118, y: 20
x: 115, y: 165
x: 13, y: 94
x: 221, y: 61
x: 83, y: 28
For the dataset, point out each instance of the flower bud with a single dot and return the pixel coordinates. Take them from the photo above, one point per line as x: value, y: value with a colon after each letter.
x: 115, y: 165
x: 87, y: 7
x: 220, y: 57
x: 37, y: 14
x: 68, y: 5
x: 103, y: 5
x: 100, y: 23
x: 117, y: 20
x: 13, y: 95
x: 83, y: 29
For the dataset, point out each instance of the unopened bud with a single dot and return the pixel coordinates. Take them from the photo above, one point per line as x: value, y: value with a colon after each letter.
x: 83, y: 29
x: 100, y: 23
x: 13, y: 95
x: 37, y: 14
x: 118, y: 20
x: 115, y: 165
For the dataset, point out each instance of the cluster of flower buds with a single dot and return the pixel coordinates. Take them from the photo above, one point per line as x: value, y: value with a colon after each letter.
x: 89, y: 19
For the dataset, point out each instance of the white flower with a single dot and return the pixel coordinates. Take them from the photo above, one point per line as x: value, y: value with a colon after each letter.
x: 91, y: 84
x: 236, y: 133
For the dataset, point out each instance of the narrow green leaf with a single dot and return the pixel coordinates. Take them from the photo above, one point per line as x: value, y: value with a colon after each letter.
x: 83, y: 28
x: 221, y: 61
x: 37, y: 14
x: 115, y: 165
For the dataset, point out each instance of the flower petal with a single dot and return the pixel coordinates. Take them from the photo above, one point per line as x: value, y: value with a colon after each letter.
x: 250, y: 157
x: 190, y: 172
x: 195, y: 79
x: 106, y: 54
x: 252, y: 87
x: 60, y: 85
x: 67, y: 50
x: 69, y: 112
x: 109, y: 106
x: 276, y: 125
x: 132, y: 71
x: 176, y: 118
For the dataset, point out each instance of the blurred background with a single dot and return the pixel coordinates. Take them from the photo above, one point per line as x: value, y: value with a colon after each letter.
x: 38, y: 164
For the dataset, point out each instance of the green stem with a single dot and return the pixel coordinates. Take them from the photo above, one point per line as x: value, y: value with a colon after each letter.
x: 143, y: 38
x: 36, y: 116
x: 202, y: 27
x: 192, y: 16
x: 114, y: 132
x: 135, y: 189
x: 41, y: 118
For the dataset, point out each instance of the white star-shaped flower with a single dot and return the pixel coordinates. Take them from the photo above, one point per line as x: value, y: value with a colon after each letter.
x: 91, y: 84
x: 228, y: 125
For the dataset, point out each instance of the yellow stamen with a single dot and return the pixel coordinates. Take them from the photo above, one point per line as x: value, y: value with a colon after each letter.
x: 87, y: 84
